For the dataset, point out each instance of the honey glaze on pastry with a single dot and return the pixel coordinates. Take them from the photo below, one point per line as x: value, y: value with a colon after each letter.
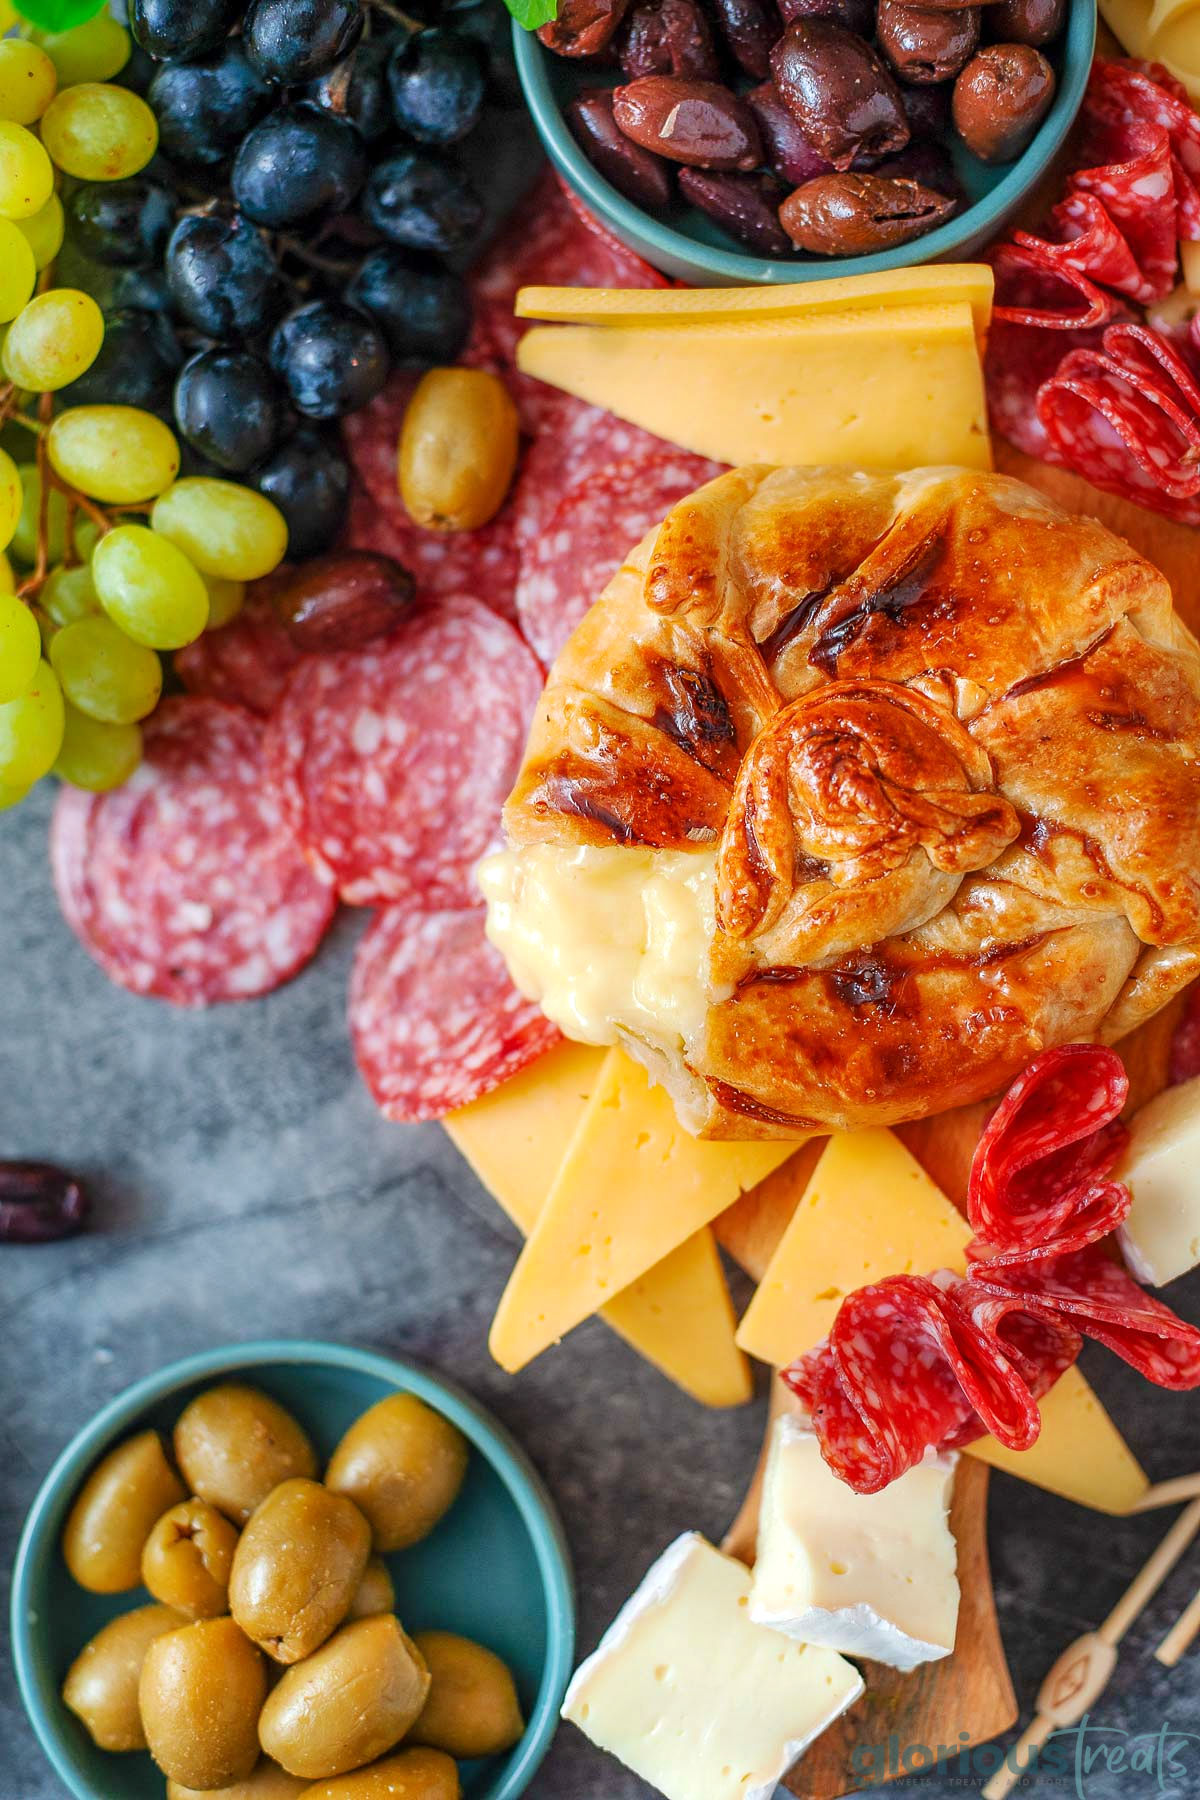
x: 855, y: 791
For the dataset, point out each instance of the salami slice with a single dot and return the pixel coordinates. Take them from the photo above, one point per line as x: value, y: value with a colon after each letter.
x: 596, y: 523
x: 434, y: 1016
x: 183, y: 883
x: 1185, y: 1042
x: 391, y: 763
x: 246, y: 662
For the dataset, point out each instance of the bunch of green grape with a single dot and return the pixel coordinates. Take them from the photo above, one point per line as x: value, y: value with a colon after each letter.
x: 124, y: 559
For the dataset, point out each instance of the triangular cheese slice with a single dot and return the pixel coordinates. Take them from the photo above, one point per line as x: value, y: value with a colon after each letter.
x: 633, y: 1186
x: 678, y: 1315
x: 1080, y: 1454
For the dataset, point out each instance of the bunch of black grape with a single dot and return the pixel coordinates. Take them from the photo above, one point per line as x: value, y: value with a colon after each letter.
x: 300, y: 231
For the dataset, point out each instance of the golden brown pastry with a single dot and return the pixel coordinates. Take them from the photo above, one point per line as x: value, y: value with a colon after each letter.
x: 852, y: 793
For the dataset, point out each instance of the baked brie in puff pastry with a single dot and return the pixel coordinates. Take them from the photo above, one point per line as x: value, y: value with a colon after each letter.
x: 852, y: 792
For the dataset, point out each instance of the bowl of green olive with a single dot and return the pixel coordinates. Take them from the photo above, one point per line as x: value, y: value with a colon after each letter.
x: 288, y: 1569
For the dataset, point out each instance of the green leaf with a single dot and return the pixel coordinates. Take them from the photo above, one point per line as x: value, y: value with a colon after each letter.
x: 532, y: 13
x: 58, y: 15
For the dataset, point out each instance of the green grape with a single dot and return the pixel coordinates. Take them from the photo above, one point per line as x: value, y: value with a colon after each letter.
x: 225, y: 600
x: 20, y: 646
x: 149, y: 588
x: 97, y: 132
x: 26, y: 173
x: 31, y: 729
x: 24, y: 539
x: 104, y: 673
x: 44, y: 232
x: 119, y: 454
x: 18, y: 267
x: 11, y: 796
x: 94, y: 51
x: 97, y: 756
x: 12, y: 498
x: 53, y: 340
x: 69, y: 594
x: 28, y: 80
x: 226, y: 529
x: 8, y: 580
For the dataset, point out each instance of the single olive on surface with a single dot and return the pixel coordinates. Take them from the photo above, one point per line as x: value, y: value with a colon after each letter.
x: 1025, y: 21
x: 343, y: 600
x: 851, y: 215
x: 1001, y: 98
x: 268, y: 1782
x: 410, y: 1775
x: 200, y: 1694
x: 115, y: 1511
x: 402, y: 1464
x: 235, y: 1444
x: 187, y: 1558
x: 297, y: 1567
x: 101, y: 1687
x: 458, y: 449
x: 376, y: 1592
x: 696, y: 122
x: 472, y: 1709
x: 348, y: 1703
x: 844, y: 98
x: 926, y: 47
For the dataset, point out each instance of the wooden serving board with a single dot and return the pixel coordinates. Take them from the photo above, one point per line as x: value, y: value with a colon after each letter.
x: 970, y: 1692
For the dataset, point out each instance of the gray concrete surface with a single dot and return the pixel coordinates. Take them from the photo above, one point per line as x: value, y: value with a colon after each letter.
x: 247, y: 1187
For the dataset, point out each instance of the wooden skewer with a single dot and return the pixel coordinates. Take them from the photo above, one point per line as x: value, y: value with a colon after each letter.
x: 1081, y: 1673
x: 1182, y: 1634
x: 1169, y: 1493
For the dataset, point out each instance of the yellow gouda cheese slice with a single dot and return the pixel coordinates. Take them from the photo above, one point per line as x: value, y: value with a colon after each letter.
x: 890, y: 389
x: 633, y: 1186
x: 1080, y: 1454
x: 678, y: 1315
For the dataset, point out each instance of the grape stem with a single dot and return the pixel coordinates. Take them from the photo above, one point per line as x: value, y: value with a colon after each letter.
x: 395, y: 13
x: 49, y: 480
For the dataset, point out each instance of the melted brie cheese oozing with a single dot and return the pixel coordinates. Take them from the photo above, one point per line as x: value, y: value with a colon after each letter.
x: 608, y: 941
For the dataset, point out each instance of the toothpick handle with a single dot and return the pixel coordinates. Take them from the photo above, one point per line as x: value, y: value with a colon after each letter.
x: 1147, y: 1582
x: 1169, y: 1493
x: 1181, y: 1636
x: 1016, y: 1762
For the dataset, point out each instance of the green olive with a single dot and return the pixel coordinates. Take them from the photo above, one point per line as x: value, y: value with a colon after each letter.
x: 412, y: 1775
x: 268, y: 1782
x: 348, y: 1703
x: 297, y: 1568
x: 376, y: 1592
x: 472, y: 1709
x: 102, y: 1683
x: 402, y: 1464
x: 234, y: 1445
x: 187, y: 1558
x: 201, y: 1692
x: 114, y: 1512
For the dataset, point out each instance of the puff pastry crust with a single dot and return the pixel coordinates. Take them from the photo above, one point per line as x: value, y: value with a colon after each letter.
x: 944, y: 739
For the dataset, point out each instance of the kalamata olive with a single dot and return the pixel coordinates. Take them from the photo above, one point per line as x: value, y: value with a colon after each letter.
x: 929, y: 164
x: 200, y: 1693
x: 115, y: 1512
x: 749, y: 29
x: 343, y: 600
x: 746, y: 206
x: 851, y: 215
x: 694, y: 122
x: 668, y: 37
x: 846, y: 101
x: 583, y: 27
x: 348, y: 1703
x: 1025, y: 21
x: 187, y: 1558
x: 926, y: 47
x: 638, y: 174
x: 297, y: 1567
x: 266, y: 1782
x: 458, y: 449
x: 402, y: 1464
x: 409, y: 1775
x: 375, y: 1593
x: 1000, y: 99
x: 927, y: 110
x: 472, y: 1709
x: 234, y: 1445
x: 855, y: 15
x: 40, y: 1203
x: 101, y: 1687
x: 787, y: 149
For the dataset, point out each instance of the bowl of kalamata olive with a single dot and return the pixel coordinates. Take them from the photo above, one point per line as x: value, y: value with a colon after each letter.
x: 745, y: 141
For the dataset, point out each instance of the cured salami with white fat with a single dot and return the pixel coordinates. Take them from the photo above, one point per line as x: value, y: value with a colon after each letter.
x: 245, y: 662
x: 391, y: 763
x: 434, y: 1016
x: 183, y: 883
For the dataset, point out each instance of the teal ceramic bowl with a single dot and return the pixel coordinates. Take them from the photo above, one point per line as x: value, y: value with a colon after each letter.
x: 495, y: 1569
x: 691, y: 248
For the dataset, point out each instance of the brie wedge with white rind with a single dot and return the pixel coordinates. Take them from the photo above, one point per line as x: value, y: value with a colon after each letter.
x: 868, y: 1574
x: 1161, y: 1169
x: 695, y: 1698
